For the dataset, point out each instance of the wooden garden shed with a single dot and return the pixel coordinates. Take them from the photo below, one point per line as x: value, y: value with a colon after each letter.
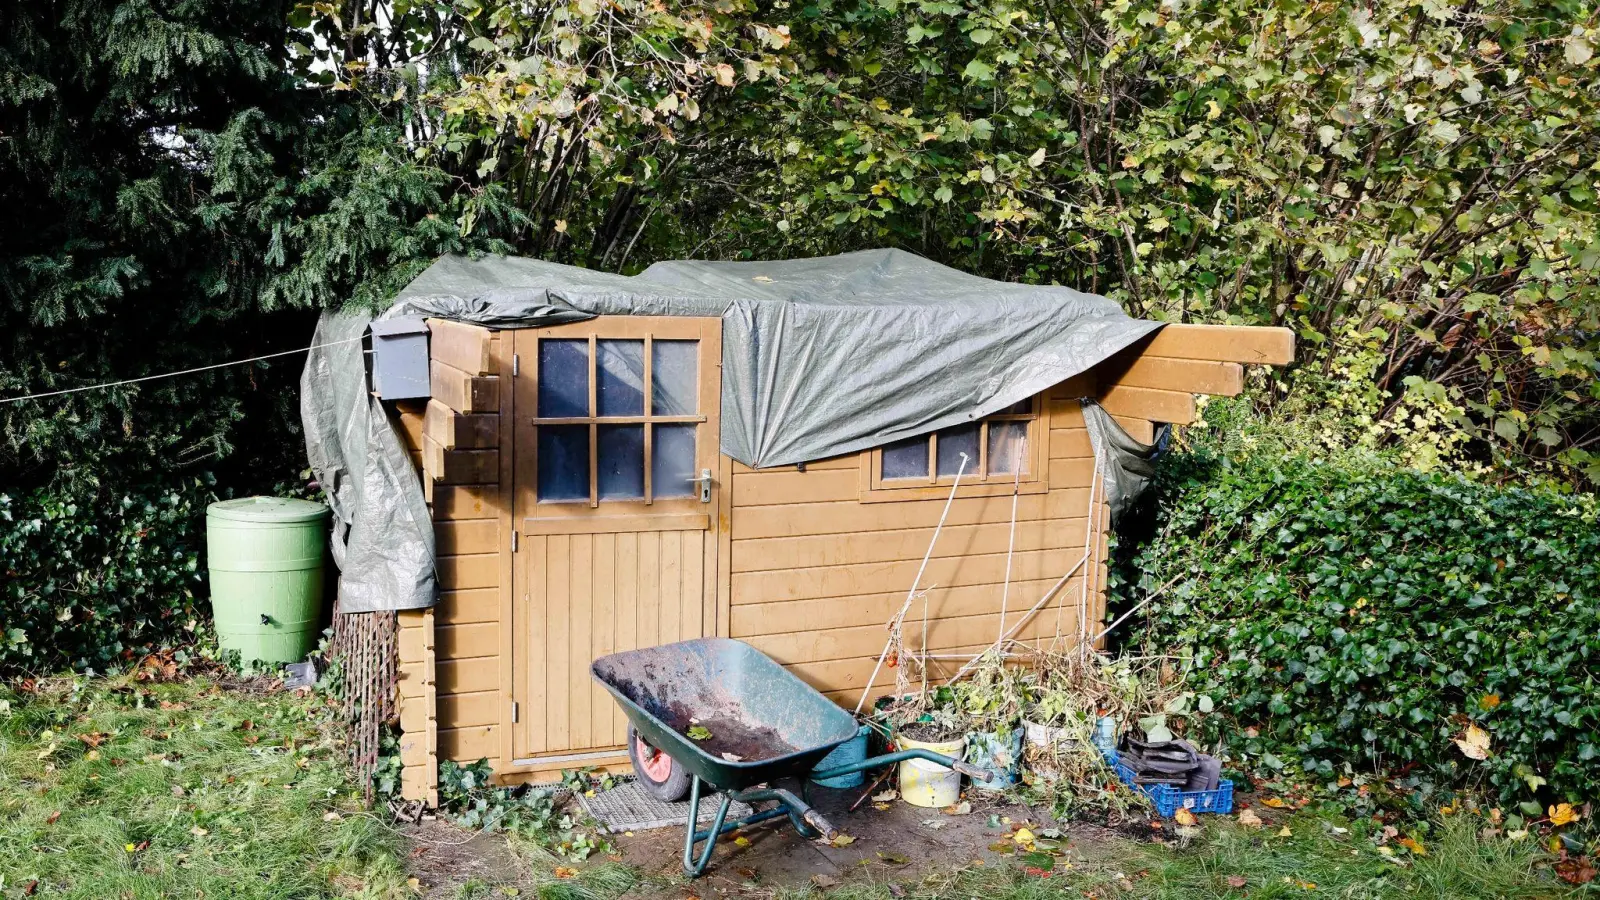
x: 582, y: 503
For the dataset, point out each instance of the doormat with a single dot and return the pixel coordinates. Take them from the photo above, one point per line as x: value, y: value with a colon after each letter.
x: 629, y: 807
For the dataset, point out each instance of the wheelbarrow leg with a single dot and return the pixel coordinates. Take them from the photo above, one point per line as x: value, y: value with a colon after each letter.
x: 692, y: 867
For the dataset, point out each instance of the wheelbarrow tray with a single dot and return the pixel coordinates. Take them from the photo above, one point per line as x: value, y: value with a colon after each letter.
x: 756, y: 710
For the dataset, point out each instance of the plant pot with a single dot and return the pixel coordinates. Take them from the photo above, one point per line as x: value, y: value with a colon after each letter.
x: 927, y: 784
x: 851, y: 751
x: 998, y: 752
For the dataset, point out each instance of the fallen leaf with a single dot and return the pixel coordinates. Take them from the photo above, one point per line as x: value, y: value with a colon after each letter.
x: 741, y: 841
x: 935, y: 824
x: 1022, y: 836
x: 885, y: 796
x: 698, y: 733
x: 1274, y: 802
x: 892, y: 858
x: 842, y: 840
x: 331, y: 816
x: 566, y: 872
x: 896, y: 891
x: 197, y: 831
x: 1563, y: 814
x: 414, y: 883
x: 51, y: 819
x: 957, y: 809
x: 1041, y: 861
x: 1185, y: 817
x: 1488, y: 701
x: 1414, y: 845
x: 1285, y: 832
x: 747, y: 873
x: 881, y: 807
x: 1249, y: 819
x: 824, y: 881
x: 93, y: 738
x: 1237, y: 881
x: 1578, y: 870
x: 31, y: 888
x: 732, y: 757
x: 1474, y: 743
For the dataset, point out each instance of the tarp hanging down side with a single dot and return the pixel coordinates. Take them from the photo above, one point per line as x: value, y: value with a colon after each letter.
x: 382, y: 534
x: 821, y: 357
x: 1124, y: 464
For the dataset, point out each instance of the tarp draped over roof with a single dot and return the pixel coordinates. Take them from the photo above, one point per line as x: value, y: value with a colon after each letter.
x: 821, y: 357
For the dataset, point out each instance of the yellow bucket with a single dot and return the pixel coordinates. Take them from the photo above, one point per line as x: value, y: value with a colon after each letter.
x: 927, y: 784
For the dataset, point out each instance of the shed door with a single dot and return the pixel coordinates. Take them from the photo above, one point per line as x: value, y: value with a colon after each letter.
x: 616, y: 441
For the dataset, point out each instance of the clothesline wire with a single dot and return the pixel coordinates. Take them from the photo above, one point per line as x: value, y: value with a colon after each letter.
x: 222, y: 365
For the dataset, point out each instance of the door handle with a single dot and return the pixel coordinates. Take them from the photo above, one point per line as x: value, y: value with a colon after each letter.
x: 705, y: 485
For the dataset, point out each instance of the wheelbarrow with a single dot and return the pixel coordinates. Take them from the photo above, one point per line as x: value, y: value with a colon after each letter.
x: 752, y: 723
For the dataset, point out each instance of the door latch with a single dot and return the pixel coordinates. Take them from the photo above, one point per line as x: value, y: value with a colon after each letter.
x: 705, y: 485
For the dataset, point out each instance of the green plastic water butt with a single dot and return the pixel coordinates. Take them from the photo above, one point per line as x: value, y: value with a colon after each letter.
x: 266, y: 557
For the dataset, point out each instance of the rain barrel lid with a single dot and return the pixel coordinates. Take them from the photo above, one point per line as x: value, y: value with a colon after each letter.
x: 280, y: 510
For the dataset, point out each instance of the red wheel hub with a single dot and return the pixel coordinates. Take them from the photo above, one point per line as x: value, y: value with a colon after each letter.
x: 654, y: 764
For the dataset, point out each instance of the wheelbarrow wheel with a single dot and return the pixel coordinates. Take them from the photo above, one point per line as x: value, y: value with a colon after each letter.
x: 659, y: 773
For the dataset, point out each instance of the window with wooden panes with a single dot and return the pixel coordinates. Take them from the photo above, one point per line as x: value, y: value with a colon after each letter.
x: 617, y: 419
x: 1002, y: 449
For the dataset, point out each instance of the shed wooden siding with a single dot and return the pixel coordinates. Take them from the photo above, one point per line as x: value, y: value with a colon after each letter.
x: 807, y: 571
x: 450, y: 693
x: 816, y: 572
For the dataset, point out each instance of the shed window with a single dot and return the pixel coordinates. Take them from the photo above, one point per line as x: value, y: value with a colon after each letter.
x: 996, y: 447
x: 616, y: 419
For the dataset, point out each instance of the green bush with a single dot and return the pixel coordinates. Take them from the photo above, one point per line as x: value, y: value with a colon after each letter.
x: 93, y: 577
x: 1357, y: 617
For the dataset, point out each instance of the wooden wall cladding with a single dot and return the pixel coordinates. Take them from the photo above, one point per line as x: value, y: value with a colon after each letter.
x: 466, y: 348
x: 449, y: 661
x: 815, y: 573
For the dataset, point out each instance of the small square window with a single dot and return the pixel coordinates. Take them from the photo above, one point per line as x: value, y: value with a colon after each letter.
x: 563, y: 463
x: 953, y: 444
x: 906, y: 459
x: 1000, y: 450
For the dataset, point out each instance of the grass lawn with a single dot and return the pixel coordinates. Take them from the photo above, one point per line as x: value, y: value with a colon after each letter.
x: 113, y: 788
x: 118, y: 788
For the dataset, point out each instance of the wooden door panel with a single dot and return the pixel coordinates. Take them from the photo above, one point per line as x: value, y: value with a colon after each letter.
x: 607, y: 575
x: 600, y: 594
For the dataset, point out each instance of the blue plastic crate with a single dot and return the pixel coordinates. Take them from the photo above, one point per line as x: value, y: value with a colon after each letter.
x: 1168, y: 799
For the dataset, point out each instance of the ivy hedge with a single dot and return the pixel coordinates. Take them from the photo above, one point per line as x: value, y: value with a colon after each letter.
x: 94, y: 578
x: 1354, y: 617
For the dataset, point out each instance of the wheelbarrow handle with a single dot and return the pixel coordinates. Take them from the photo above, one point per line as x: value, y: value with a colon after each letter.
x: 973, y: 772
x: 822, y: 825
